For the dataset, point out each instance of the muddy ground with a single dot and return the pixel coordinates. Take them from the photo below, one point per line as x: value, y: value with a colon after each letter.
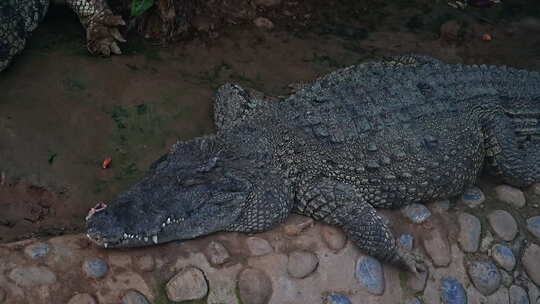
x: 62, y: 111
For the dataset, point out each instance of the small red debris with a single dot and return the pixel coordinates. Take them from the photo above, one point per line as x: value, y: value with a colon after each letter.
x: 106, y: 163
x: 486, y: 37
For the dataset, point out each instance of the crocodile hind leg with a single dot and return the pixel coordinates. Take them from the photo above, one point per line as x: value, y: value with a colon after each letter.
x: 344, y: 206
x: 101, y: 26
x: 516, y: 160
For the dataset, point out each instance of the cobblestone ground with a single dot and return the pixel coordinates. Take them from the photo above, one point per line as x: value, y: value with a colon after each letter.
x: 479, y: 248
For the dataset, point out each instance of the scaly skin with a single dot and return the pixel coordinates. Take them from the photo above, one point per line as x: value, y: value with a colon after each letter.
x: 377, y: 135
x: 18, y: 18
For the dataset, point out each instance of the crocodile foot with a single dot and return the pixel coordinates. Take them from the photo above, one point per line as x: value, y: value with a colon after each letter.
x: 412, y: 261
x: 102, y: 34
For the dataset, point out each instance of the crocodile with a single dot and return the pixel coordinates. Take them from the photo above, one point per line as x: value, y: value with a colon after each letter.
x: 18, y: 18
x: 382, y: 134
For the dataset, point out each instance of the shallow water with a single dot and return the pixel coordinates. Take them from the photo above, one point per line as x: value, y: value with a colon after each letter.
x: 62, y: 111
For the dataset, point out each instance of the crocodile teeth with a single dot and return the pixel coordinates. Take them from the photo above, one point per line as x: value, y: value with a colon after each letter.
x: 125, y: 235
x: 106, y: 245
x: 163, y: 225
x: 154, y: 239
x: 146, y: 239
x: 168, y: 221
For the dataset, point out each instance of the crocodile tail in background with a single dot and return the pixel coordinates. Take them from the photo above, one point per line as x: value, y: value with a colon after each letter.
x: 18, y: 18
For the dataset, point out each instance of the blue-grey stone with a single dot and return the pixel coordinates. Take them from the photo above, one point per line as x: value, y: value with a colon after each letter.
x: 37, y: 250
x: 370, y: 275
x: 473, y: 197
x: 452, y: 292
x: 518, y: 295
x: 32, y: 276
x: 510, y: 195
x: 503, y: 256
x: 134, y: 297
x: 504, y: 224
x: 95, y: 267
x: 469, y: 232
x: 417, y: 213
x: 485, y: 276
x: 336, y: 298
x: 529, y: 260
x: 533, y: 225
x: 406, y: 241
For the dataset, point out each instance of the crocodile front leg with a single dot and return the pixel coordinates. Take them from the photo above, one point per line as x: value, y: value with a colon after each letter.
x: 344, y: 206
x: 101, y: 26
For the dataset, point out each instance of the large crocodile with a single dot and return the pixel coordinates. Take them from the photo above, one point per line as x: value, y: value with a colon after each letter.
x: 18, y: 18
x: 375, y: 135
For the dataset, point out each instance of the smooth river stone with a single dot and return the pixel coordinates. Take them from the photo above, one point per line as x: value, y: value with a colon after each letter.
x: 469, y: 232
x: 518, y: 295
x: 370, y: 275
x: 473, y: 197
x: 95, y: 267
x: 530, y: 260
x: 417, y: 213
x: 510, y: 195
x: 533, y: 225
x: 485, y: 277
x: 452, y: 292
x: 188, y: 284
x: 254, y: 286
x: 503, y: 256
x: 32, y: 276
x: 37, y: 250
x: 336, y: 298
x: 504, y: 224
x: 301, y: 263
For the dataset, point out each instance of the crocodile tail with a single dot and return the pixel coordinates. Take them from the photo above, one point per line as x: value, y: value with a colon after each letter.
x: 17, y: 20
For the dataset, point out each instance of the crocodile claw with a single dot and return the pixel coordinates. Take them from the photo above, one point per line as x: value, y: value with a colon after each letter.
x: 412, y: 261
x: 102, y: 34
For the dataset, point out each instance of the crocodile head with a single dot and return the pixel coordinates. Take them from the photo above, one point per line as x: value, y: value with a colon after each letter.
x: 190, y: 192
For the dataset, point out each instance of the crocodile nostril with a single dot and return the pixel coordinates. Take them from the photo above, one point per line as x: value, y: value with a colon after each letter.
x: 97, y: 208
x: 100, y: 206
